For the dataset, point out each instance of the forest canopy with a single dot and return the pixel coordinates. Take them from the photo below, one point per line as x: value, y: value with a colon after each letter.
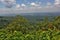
x: 22, y: 28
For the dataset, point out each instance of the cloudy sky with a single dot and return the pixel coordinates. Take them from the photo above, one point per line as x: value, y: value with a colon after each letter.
x: 20, y: 6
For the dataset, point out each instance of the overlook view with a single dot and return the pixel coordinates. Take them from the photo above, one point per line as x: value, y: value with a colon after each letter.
x: 29, y: 19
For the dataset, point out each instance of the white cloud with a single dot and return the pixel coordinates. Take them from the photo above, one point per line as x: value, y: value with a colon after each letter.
x: 49, y: 5
x: 8, y: 3
x: 18, y: 6
x: 57, y: 2
x: 11, y: 11
x: 23, y: 5
x: 33, y: 4
x: 11, y: 3
x: 1, y: 0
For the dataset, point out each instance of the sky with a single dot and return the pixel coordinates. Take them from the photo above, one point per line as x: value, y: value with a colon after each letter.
x: 29, y: 5
x: 14, y: 3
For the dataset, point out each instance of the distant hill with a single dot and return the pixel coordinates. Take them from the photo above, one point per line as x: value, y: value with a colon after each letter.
x: 33, y: 14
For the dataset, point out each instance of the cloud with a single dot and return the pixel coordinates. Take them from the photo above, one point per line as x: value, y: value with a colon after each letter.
x: 57, y: 3
x: 23, y: 5
x: 18, y: 11
x: 1, y: 0
x: 49, y: 5
x: 33, y: 4
x: 8, y: 3
x: 17, y: 5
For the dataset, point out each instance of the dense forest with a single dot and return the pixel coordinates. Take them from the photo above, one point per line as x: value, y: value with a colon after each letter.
x: 29, y: 27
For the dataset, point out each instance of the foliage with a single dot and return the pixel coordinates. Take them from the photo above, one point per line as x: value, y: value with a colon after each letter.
x: 21, y: 28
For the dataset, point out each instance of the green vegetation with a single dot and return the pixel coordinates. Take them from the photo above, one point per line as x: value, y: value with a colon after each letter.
x: 20, y: 28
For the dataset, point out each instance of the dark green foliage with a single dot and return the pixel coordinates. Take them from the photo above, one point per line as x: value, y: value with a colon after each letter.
x: 20, y: 28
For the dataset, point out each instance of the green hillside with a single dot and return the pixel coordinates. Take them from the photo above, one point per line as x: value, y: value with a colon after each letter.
x: 20, y: 28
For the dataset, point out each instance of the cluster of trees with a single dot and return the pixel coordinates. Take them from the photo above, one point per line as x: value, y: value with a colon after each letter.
x: 21, y: 29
